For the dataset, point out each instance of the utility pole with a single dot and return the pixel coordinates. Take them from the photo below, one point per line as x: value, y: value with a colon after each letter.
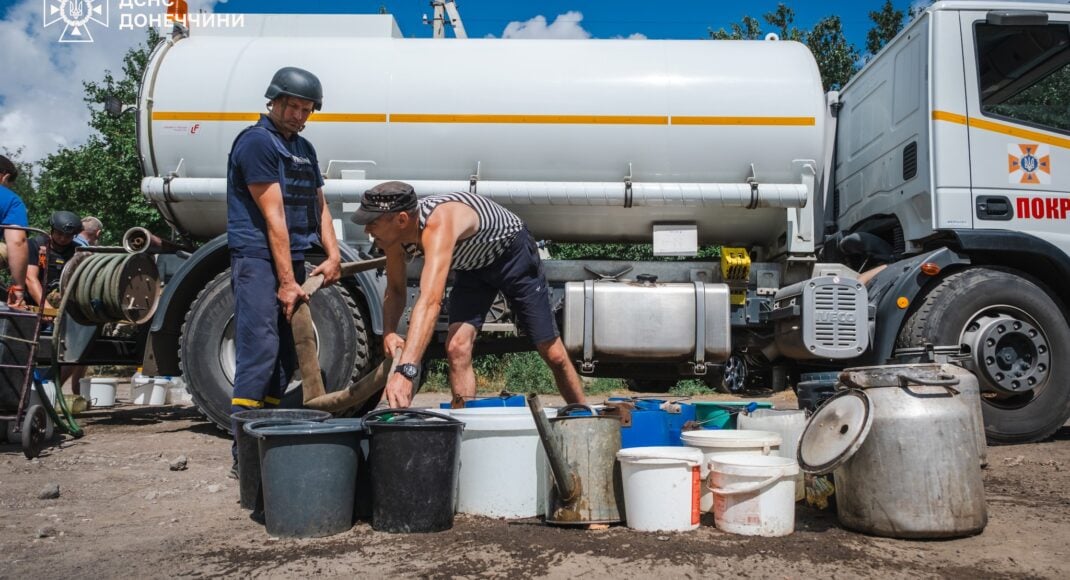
x: 443, y: 10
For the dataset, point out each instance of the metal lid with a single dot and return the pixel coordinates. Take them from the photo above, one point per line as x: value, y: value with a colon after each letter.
x: 835, y: 431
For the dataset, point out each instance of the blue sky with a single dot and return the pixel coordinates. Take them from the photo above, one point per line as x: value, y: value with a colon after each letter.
x: 667, y: 19
x: 41, y: 106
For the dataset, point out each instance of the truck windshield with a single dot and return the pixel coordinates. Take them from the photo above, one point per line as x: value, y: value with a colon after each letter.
x: 1024, y: 73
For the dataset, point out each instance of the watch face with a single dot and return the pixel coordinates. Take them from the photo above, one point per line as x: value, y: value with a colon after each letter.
x: 408, y: 370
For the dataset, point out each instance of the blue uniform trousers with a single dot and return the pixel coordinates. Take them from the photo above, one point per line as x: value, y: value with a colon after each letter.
x: 265, y: 358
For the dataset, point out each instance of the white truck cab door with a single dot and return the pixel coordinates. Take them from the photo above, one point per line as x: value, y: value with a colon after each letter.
x: 1017, y: 72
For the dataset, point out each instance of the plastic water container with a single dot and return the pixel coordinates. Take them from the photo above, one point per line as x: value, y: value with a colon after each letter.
x: 492, y: 401
x: 99, y: 392
x: 147, y: 391
x: 754, y: 495
x: 503, y: 470
x: 790, y: 423
x: 715, y: 443
x: 177, y: 393
x: 722, y: 414
x: 309, y: 474
x: 662, y: 487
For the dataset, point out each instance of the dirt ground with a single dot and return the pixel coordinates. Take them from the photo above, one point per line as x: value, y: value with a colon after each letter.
x: 122, y: 512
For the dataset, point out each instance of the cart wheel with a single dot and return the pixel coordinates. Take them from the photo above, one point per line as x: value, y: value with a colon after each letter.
x: 33, y: 431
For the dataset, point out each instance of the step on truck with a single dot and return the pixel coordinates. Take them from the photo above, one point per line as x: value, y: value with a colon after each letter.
x: 920, y: 213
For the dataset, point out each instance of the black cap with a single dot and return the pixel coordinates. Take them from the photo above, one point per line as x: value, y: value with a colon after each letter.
x: 388, y: 197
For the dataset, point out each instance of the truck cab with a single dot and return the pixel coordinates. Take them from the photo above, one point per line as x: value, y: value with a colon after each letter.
x: 950, y: 140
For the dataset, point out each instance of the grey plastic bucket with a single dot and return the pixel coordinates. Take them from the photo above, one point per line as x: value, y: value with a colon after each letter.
x: 249, y: 457
x: 362, y: 499
x: 309, y: 473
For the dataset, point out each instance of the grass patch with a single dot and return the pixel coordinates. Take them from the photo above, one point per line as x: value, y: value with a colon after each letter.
x: 521, y: 372
x: 691, y: 388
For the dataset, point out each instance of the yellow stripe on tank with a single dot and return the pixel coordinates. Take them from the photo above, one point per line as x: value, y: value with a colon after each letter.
x: 499, y: 119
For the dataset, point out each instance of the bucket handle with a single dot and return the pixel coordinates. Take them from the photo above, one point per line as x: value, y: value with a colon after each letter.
x: 417, y: 412
x: 744, y: 490
x: 251, y: 426
x: 564, y: 411
x: 945, y: 381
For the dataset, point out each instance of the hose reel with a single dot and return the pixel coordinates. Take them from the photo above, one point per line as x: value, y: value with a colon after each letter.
x: 103, y: 287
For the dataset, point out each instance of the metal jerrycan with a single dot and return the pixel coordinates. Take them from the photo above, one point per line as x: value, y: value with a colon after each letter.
x: 581, y: 448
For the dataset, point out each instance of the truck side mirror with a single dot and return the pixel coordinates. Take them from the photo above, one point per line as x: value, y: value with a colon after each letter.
x: 113, y: 106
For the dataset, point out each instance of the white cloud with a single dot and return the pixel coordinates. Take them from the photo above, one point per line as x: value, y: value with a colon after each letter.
x: 41, y: 106
x: 565, y: 25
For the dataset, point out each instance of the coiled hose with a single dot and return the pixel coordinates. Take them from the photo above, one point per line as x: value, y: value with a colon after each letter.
x: 102, y: 288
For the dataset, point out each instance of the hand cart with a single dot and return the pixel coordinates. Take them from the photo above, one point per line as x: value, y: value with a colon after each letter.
x: 19, y: 333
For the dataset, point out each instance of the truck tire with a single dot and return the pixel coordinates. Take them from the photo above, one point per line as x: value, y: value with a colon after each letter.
x: 964, y: 302
x: 206, y: 346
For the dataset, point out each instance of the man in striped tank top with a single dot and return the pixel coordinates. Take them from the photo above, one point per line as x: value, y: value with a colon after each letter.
x: 490, y: 251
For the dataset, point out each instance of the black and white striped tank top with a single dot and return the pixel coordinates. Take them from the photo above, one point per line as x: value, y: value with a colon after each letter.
x: 497, y: 228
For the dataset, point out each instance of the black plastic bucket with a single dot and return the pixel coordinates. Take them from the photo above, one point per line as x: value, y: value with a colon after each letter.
x: 249, y: 457
x: 362, y: 499
x: 309, y: 471
x: 414, y: 458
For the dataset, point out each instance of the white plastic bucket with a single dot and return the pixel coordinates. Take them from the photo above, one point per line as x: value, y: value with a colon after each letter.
x: 146, y: 391
x: 662, y: 486
x: 721, y: 441
x: 753, y: 495
x: 100, y: 392
x: 503, y: 467
x: 790, y: 423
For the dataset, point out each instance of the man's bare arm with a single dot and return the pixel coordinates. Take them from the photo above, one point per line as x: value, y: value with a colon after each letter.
x: 268, y: 198
x: 17, y: 254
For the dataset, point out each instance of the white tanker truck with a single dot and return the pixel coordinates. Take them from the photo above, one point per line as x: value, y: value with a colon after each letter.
x: 918, y: 214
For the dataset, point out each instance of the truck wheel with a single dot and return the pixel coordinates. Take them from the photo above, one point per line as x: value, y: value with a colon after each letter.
x: 1017, y: 342
x: 206, y: 347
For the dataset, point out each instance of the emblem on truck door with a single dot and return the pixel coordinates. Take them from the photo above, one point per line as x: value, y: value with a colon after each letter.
x: 1029, y: 163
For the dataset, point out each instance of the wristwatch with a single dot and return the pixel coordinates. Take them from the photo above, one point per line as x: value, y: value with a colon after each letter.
x: 408, y: 370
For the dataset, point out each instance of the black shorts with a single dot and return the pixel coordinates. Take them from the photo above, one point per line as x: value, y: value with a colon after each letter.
x: 518, y: 275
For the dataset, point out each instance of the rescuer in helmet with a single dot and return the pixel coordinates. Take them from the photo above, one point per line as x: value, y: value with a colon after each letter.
x: 275, y: 214
x: 60, y: 243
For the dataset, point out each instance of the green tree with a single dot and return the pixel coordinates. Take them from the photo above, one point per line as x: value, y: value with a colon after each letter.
x: 836, y: 58
x: 102, y: 177
x: 748, y: 29
x: 887, y: 22
x: 783, y: 19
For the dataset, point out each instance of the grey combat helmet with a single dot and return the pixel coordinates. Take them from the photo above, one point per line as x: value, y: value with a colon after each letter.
x: 296, y: 82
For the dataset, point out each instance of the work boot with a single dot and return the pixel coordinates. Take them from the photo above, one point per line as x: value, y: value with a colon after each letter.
x: 233, y: 470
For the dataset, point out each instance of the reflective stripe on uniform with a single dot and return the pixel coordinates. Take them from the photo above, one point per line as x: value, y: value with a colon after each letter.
x: 247, y: 403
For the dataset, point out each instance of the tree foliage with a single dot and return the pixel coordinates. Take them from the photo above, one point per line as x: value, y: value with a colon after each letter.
x: 887, y: 22
x: 836, y: 58
x: 102, y: 177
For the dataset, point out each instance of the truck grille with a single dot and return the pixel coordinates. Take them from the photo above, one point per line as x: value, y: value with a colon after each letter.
x: 835, y: 321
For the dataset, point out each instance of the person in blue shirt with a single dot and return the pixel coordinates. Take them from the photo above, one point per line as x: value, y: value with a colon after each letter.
x: 92, y: 229
x: 13, y: 212
x: 275, y: 213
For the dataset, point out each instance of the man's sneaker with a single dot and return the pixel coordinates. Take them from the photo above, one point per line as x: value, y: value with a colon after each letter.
x: 233, y: 471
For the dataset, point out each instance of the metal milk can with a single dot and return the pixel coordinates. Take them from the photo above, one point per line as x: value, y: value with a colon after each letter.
x: 904, y: 445
x: 582, y: 454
